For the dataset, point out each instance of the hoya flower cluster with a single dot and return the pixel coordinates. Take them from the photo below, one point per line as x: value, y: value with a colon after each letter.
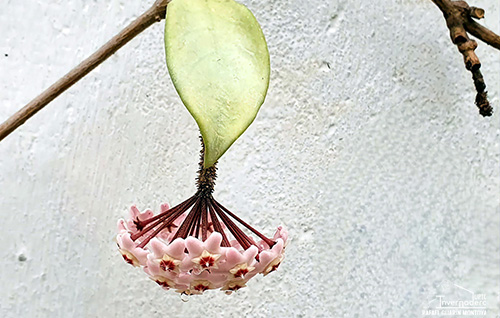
x: 196, y: 246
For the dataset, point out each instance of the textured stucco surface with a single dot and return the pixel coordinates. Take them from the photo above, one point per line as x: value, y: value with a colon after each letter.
x: 368, y: 148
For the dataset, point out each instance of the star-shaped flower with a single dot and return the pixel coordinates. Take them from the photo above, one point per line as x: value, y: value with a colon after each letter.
x: 273, y: 265
x: 206, y: 260
x: 169, y: 264
x: 199, y: 286
x: 163, y: 282
x: 233, y: 285
x: 240, y: 271
x: 131, y: 253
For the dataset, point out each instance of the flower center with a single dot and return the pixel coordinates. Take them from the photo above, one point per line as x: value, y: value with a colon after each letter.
x: 200, y: 287
x: 207, y: 262
x: 234, y: 287
x: 129, y: 257
x: 273, y: 265
x: 241, y: 273
x: 167, y: 265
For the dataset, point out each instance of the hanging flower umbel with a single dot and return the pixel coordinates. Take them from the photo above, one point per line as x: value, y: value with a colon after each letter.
x: 218, y: 60
x: 197, y: 245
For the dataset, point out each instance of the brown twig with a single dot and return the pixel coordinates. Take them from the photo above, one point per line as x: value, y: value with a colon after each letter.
x: 482, y: 33
x: 458, y: 16
x: 154, y: 14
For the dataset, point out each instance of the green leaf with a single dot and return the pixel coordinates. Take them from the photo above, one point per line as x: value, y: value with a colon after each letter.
x: 218, y: 60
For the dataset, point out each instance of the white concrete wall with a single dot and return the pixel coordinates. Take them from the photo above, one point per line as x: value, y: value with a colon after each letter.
x: 368, y: 148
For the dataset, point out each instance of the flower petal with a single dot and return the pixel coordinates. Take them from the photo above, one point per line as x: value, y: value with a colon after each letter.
x: 212, y: 244
x: 194, y: 246
x: 176, y: 249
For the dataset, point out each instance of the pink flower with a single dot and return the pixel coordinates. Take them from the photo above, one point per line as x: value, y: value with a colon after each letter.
x: 188, y: 248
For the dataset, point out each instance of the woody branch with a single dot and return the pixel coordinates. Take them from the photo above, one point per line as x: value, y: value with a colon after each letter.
x: 154, y: 14
x: 459, y: 18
